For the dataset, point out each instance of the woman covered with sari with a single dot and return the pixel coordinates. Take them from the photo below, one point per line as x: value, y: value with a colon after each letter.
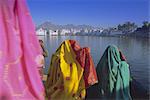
x: 20, y: 53
x: 113, y: 75
x: 71, y: 72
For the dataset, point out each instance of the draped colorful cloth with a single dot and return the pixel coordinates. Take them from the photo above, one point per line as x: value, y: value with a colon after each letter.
x: 71, y: 72
x: 20, y: 53
x: 113, y: 75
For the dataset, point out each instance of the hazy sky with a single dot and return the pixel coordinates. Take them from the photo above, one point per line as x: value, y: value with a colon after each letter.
x: 102, y: 13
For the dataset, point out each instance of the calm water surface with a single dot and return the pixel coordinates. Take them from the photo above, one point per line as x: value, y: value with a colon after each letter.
x: 136, y: 50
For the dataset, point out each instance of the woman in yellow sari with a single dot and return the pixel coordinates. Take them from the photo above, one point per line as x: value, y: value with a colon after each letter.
x: 71, y: 72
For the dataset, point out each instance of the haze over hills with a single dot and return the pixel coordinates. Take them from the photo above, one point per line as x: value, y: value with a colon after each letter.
x: 50, y: 26
x: 126, y: 29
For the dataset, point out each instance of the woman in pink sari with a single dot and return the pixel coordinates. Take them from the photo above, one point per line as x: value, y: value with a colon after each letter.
x: 20, y: 53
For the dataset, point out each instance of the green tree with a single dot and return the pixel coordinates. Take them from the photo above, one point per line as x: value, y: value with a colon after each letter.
x: 127, y: 27
x: 146, y: 23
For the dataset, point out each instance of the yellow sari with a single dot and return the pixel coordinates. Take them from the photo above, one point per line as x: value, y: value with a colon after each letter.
x: 71, y: 72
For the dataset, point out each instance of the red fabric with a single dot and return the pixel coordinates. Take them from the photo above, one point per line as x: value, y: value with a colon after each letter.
x: 85, y: 60
x: 123, y: 58
x: 90, y: 76
x: 80, y: 53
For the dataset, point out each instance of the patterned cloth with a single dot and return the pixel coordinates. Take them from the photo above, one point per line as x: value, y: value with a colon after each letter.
x: 20, y: 53
x: 71, y: 72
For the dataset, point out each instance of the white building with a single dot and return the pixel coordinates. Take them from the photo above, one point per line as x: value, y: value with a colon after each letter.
x: 41, y: 31
x: 76, y: 31
x: 64, y: 31
x: 86, y: 30
x: 53, y: 33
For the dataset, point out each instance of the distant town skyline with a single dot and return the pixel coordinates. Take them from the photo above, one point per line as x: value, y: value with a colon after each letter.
x: 98, y: 13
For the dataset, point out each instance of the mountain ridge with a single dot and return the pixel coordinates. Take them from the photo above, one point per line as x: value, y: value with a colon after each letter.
x: 50, y: 26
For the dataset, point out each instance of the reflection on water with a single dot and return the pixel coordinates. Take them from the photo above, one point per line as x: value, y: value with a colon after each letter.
x: 136, y: 50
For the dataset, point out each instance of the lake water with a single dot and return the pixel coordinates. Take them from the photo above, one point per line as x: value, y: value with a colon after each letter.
x: 136, y: 50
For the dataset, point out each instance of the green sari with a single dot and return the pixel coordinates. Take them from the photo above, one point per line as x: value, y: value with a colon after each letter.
x: 113, y: 75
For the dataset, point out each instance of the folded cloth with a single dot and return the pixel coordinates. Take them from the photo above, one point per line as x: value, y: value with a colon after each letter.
x: 113, y: 75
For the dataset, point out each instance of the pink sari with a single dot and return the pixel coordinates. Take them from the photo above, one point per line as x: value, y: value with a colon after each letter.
x: 20, y: 53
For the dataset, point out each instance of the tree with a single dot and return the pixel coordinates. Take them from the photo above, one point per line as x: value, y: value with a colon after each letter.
x: 119, y: 27
x: 127, y: 27
x: 145, y: 23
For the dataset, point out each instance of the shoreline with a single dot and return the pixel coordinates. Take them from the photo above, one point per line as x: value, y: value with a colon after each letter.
x: 120, y: 36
